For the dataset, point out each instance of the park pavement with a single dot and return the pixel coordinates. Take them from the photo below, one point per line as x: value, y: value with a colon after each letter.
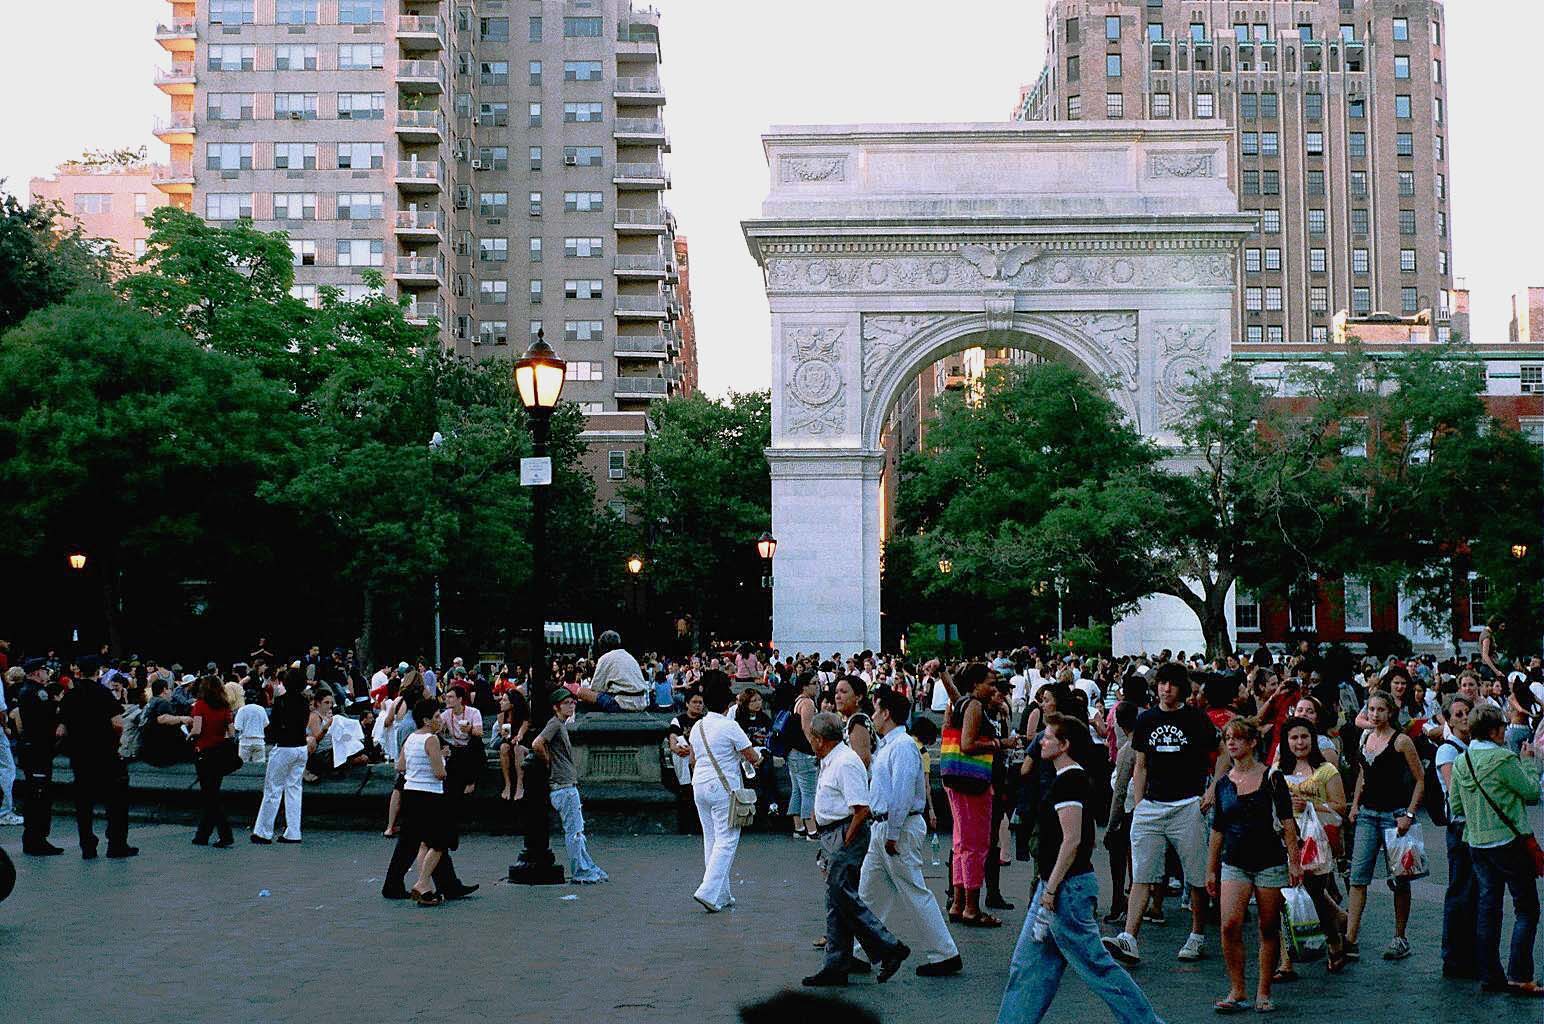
x: 300, y: 933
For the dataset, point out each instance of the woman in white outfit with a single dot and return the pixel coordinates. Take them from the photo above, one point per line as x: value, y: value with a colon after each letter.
x: 717, y: 739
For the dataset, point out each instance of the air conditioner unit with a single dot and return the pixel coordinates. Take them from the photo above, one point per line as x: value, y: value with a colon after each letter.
x: 478, y: 165
x: 535, y: 210
x: 296, y: 115
x: 571, y: 161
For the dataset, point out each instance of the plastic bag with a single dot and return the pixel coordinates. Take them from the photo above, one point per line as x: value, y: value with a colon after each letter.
x: 1405, y: 854
x: 1314, y: 843
x: 1300, y: 923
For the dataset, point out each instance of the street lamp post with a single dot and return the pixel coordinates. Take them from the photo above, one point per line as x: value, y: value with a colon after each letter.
x: 435, y: 444
x: 539, y: 382
x: 1061, y: 590
x: 77, y: 560
x: 766, y: 547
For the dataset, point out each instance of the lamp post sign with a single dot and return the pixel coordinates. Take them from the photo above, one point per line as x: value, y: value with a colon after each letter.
x: 536, y: 472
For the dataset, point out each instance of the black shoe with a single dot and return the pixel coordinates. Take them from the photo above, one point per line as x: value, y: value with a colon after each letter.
x: 460, y: 892
x: 892, y: 963
x: 259, y: 840
x: 1461, y: 973
x: 197, y: 841
x: 88, y: 852
x: 122, y: 852
x: 995, y: 901
x: 223, y: 844
x: 854, y: 965
x: 398, y: 893
x: 1115, y: 917
x: 826, y: 978
x: 42, y: 850
x: 942, y: 968
x: 289, y: 842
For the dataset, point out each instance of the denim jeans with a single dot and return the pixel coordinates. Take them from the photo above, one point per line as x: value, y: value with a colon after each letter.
x: 1458, y: 924
x: 803, y: 773
x: 7, y: 776
x: 1497, y: 869
x: 580, y: 867
x: 1036, y: 969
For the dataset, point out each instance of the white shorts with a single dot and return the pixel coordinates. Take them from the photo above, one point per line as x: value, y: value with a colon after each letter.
x: 1156, y: 826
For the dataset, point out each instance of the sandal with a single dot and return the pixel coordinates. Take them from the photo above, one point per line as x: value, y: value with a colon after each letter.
x: 1232, y: 1005
x: 1337, y: 962
x: 1265, y: 1006
x: 426, y: 899
x: 956, y: 916
x: 980, y: 921
x: 1284, y: 974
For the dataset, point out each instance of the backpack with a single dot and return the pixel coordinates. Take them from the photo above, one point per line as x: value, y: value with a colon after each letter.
x: 128, y: 740
x: 788, y: 734
x: 1436, y: 800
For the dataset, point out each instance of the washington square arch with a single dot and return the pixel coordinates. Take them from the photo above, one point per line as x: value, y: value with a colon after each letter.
x: 886, y: 247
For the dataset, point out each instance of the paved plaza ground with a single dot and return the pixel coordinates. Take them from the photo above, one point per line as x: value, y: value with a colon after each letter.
x: 182, y: 934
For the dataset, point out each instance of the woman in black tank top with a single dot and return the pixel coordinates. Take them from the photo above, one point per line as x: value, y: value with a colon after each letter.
x: 1388, y: 791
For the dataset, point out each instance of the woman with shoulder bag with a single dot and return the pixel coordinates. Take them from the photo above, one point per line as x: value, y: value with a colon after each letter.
x: 214, y: 756
x: 966, y: 754
x: 716, y: 742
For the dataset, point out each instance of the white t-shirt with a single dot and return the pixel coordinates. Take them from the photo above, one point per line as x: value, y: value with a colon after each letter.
x: 251, y: 721
x: 725, y: 739
x: 940, y: 696
x: 1448, y: 754
x: 843, y: 784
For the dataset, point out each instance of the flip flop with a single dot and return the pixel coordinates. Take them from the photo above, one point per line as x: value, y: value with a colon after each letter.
x: 981, y: 921
x: 1285, y: 975
x: 1232, y: 1005
x: 956, y: 917
x: 1265, y: 1007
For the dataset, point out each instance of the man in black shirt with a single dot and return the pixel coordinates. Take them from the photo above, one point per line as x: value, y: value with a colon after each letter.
x: 92, y: 719
x: 39, y: 715
x: 1174, y: 743
x: 1060, y: 928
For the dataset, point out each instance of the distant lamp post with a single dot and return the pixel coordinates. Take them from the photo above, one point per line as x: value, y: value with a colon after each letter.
x: 635, y: 565
x: 766, y: 547
x: 539, y: 376
x: 78, y: 560
x: 1518, y: 551
x: 1061, y: 590
x: 945, y: 566
x: 436, y: 442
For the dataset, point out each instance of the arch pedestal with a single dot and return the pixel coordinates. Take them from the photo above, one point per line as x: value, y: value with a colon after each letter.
x: 885, y: 248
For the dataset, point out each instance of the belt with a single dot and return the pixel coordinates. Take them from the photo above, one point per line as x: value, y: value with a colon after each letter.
x: 886, y: 817
x: 833, y: 826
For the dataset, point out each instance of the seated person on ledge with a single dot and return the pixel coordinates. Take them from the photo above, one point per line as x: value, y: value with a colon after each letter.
x: 618, y: 683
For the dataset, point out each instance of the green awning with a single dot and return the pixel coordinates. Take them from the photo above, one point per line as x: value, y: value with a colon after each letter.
x: 569, y: 634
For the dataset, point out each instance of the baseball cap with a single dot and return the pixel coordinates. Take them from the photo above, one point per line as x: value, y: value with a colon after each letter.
x: 559, y: 695
x: 33, y: 664
x: 403, y: 666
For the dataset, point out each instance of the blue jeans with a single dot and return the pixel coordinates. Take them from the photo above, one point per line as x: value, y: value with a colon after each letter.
x: 1458, y: 924
x: 580, y: 867
x: 1497, y: 869
x: 1369, y: 843
x: 7, y: 775
x: 803, y: 773
x: 1035, y: 972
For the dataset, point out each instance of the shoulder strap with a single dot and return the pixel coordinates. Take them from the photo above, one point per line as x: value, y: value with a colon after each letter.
x: 711, y: 759
x: 1516, y: 832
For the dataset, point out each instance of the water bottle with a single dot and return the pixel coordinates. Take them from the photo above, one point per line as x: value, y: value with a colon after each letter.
x: 933, y: 842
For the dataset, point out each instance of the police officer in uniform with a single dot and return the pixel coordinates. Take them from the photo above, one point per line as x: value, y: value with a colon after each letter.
x: 39, y: 715
x: 92, y: 719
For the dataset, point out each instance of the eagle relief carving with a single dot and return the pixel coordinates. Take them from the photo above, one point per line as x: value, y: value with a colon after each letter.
x: 996, y: 265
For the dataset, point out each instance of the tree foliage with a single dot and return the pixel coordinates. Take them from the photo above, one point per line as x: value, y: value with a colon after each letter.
x: 44, y: 257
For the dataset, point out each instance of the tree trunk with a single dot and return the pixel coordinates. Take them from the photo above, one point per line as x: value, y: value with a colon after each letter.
x: 111, y: 612
x: 367, y: 629
x: 1211, y: 610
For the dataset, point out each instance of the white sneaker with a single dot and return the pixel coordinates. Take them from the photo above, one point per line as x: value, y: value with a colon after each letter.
x: 12, y: 819
x: 1194, y: 948
x: 1123, y: 948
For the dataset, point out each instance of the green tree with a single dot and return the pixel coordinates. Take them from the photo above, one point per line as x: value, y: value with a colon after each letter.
x: 43, y: 258
x: 128, y: 438
x: 702, y: 491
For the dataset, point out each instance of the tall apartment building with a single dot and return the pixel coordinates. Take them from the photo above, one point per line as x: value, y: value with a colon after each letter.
x: 1339, y: 109
x: 109, y: 202
x: 1527, y: 322
x: 500, y: 162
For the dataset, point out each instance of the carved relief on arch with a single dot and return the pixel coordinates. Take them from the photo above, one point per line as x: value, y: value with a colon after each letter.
x: 1183, y: 351
x: 815, y: 386
x: 976, y: 269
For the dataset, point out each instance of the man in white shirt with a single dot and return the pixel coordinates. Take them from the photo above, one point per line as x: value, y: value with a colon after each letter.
x: 893, y: 866
x: 842, y: 819
x: 618, y: 683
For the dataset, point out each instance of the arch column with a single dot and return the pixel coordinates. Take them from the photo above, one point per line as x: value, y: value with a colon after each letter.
x: 825, y: 515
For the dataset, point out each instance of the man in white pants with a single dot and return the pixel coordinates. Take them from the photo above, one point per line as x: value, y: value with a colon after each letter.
x: 893, y: 865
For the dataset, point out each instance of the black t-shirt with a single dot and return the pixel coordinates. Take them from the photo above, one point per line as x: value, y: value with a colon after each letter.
x: 39, y: 715
x: 87, y: 712
x: 1070, y: 787
x: 289, y: 718
x: 1250, y: 841
x: 1178, y: 745
x: 161, y: 744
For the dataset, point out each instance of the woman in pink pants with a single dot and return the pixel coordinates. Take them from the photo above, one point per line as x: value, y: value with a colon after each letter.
x: 970, y: 743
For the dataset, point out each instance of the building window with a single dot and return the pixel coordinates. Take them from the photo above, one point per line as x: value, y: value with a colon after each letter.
x: 361, y: 252
x: 581, y: 71
x: 493, y: 250
x: 1273, y: 299
x: 1112, y: 65
x: 228, y: 156
x: 1254, y: 334
x: 493, y: 332
x: 533, y: 28
x: 294, y: 156
x: 534, y: 199
x: 1407, y: 222
x: 493, y: 204
x: 1073, y: 68
x: 495, y: 114
x: 1356, y: 109
x: 305, y: 293
x: 494, y: 293
x: 1074, y: 108
x: 1315, y: 143
x: 294, y: 206
x: 1270, y: 183
x: 493, y: 72
x: 1479, y: 593
x: 1358, y: 144
x: 361, y: 12
x: 581, y: 27
x: 580, y: 369
x: 582, y: 289
x: 1300, y: 610
x: 1441, y: 182
x: 1253, y: 299
x: 361, y: 56
x: 231, y: 12
x: 1248, y: 106
x: 227, y: 205
x: 533, y: 250
x: 1401, y: 30
x: 1442, y: 262
x: 1357, y: 605
x: 229, y: 106
x: 361, y: 106
x: 1359, y: 184
x: 294, y: 12
x: 1319, y: 334
x: 536, y: 292
x: 1532, y: 428
x: 1251, y: 183
x: 1270, y: 221
x: 1436, y: 72
x: 616, y: 465
x: 1162, y: 104
x: 302, y: 252
x: 1361, y: 301
x: 583, y: 330
x: 296, y: 106
x: 1438, y: 151
x: 494, y: 158
x: 1316, y: 183
x: 533, y: 73
x: 1359, y: 261
x: 1249, y: 144
x: 1359, y: 221
x: 1112, y: 26
x: 1353, y: 434
x: 1402, y: 107
x: 1251, y: 261
x: 533, y: 115
x: 581, y: 113
x: 1204, y: 104
x: 1313, y: 105
x: 95, y: 202
x: 1407, y: 261
x: 141, y: 204
x: 1407, y: 183
x: 1246, y: 611
x: 584, y: 202
x: 361, y: 155
x: 1273, y: 259
x: 1318, y: 299
x: 1273, y: 334
x: 1270, y: 104
x: 535, y: 158
x: 583, y: 248
x: 1114, y: 105
x: 1316, y: 222
x: 1404, y: 144
x: 1436, y: 110
x: 1316, y: 261
x: 361, y: 205
x: 1409, y: 302
x: 1402, y: 67
x: 232, y: 58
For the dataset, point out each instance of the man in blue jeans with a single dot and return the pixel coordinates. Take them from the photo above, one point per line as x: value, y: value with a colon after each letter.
x: 1066, y: 901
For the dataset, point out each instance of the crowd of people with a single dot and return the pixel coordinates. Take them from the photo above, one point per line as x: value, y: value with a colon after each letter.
x: 1284, y: 781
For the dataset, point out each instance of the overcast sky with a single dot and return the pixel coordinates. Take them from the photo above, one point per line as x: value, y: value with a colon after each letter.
x: 732, y: 68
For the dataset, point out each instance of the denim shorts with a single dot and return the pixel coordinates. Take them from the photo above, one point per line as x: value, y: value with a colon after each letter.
x: 1269, y: 878
x: 1369, y: 843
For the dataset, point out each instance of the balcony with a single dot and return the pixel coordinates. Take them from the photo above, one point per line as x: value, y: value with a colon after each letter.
x: 639, y: 89
x: 637, y: 47
x: 177, y: 80
x: 640, y: 347
x: 640, y: 176
x: 638, y: 129
x: 174, y: 178
x: 642, y: 387
x: 181, y: 36
x: 426, y: 127
x: 644, y: 221
x: 178, y: 128
x: 421, y: 32
x: 420, y: 224
x: 640, y: 307
x: 641, y: 266
x: 420, y: 175
x: 1444, y: 317
x: 421, y: 76
x: 418, y: 270
x: 422, y: 312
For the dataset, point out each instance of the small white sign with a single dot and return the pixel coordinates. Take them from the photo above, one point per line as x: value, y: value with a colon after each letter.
x: 536, y: 472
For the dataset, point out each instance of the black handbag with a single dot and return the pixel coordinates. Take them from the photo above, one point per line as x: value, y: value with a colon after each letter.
x: 223, y: 758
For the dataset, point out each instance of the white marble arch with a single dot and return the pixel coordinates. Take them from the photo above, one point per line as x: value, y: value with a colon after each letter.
x: 884, y: 247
